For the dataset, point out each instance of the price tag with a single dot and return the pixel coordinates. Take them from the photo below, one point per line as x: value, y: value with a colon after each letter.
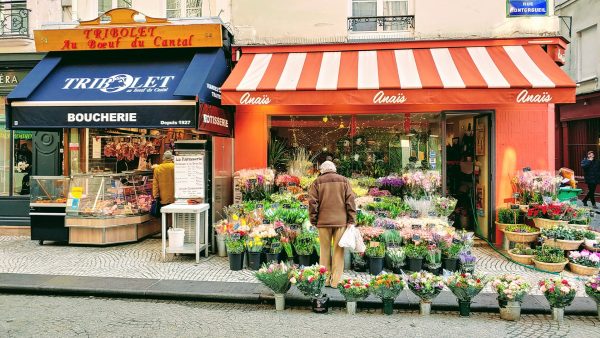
x: 416, y: 238
x: 430, y: 226
x: 303, y: 206
x: 373, y: 244
x: 377, y: 199
x: 275, y: 245
x: 286, y: 206
x: 266, y: 221
x: 382, y: 214
x: 294, y: 226
x: 291, y: 184
x: 416, y: 226
x: 358, y: 212
x: 235, y: 237
x: 279, y: 230
x: 259, y: 206
x: 514, y: 206
x: 455, y: 241
x: 432, y: 214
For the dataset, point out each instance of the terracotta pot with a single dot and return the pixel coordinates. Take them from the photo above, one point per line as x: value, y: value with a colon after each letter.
x: 551, y: 267
x: 583, y: 270
x: 523, y: 259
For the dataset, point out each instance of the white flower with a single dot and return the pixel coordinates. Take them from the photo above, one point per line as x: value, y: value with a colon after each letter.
x: 293, y: 280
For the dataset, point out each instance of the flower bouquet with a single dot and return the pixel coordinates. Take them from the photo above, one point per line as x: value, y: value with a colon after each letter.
x: 235, y: 250
x: 254, y: 246
x: 396, y: 258
x: 548, y: 215
x: 465, y: 287
x: 444, y: 206
x: 310, y: 280
x: 285, y: 180
x: 559, y: 293
x: 353, y: 290
x: 387, y: 286
x: 426, y: 286
x: 592, y: 289
x: 511, y: 289
x: 584, y: 262
x: 276, y: 277
x: 467, y: 262
x: 305, y: 246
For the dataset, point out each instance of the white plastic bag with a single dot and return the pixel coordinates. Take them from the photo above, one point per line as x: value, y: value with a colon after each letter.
x: 348, y: 239
x: 359, y: 245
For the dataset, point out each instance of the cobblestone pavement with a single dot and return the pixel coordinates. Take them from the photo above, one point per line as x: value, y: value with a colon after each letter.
x: 42, y: 316
x: 143, y: 260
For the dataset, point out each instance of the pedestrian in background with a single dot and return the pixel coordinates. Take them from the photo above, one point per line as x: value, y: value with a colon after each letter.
x: 591, y: 173
x: 331, y: 208
x: 163, y: 182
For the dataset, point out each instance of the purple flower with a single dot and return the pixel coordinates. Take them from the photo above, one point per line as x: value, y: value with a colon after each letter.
x: 391, y: 181
x: 467, y: 258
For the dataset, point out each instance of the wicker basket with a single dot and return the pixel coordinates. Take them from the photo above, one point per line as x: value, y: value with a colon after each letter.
x: 521, y: 237
x: 583, y: 270
x: 563, y: 244
x: 523, y: 259
x: 578, y: 226
x: 543, y: 223
x: 550, y: 267
x: 500, y: 226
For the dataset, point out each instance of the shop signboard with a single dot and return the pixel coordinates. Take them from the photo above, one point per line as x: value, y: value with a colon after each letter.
x: 215, y: 120
x: 9, y: 79
x: 518, y: 8
x: 189, y: 176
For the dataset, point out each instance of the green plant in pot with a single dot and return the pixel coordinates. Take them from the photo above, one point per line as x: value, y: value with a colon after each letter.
x: 364, y: 218
x: 509, y: 216
x: 305, y: 246
x: 235, y: 250
x: 387, y: 287
x: 375, y: 252
x: 434, y: 261
x: 450, y: 255
x: 550, y: 259
x: 396, y: 258
x: 274, y: 250
x: 465, y: 286
x: 254, y: 247
x: 415, y: 255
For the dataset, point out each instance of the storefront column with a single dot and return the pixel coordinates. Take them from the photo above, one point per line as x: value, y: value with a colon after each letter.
x: 251, y: 140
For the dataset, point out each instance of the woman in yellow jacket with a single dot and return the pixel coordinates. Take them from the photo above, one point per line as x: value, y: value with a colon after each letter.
x: 163, y: 182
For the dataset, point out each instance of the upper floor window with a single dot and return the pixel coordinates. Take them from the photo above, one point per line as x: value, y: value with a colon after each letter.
x: 106, y: 5
x: 378, y: 15
x: 14, y: 18
x: 588, y: 53
x: 184, y: 8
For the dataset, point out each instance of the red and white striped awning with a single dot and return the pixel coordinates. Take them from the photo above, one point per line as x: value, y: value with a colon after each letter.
x: 456, y: 75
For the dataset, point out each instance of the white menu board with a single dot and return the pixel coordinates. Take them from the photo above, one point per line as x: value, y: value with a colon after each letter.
x: 189, y: 176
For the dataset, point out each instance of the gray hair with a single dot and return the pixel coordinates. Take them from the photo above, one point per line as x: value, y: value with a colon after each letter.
x: 168, y: 155
x: 327, y: 167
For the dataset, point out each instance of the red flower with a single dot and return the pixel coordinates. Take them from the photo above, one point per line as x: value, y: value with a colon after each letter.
x: 323, y: 270
x: 347, y: 286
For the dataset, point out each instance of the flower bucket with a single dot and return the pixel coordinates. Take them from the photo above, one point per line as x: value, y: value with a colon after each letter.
x: 464, y: 308
x: 415, y: 264
x: 304, y: 260
x: 320, y: 304
x: 435, y: 271
x: 467, y: 267
x: 254, y: 260
x: 583, y: 270
x: 236, y: 261
x: 272, y: 258
x: 375, y: 265
x: 388, y: 306
x: 523, y: 259
x: 521, y: 237
x: 563, y: 244
x: 347, y: 258
x: 510, y: 311
x: 551, y: 267
x: 221, y: 248
x: 351, y: 308
x: 425, y: 308
x: 176, y: 236
x: 279, y: 301
x: 558, y: 313
x: 543, y: 223
x: 450, y: 264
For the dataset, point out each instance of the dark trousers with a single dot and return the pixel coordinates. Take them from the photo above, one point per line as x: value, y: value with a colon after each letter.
x: 590, y: 194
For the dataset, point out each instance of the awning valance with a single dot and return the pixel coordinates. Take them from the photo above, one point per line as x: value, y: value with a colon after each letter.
x: 121, y: 89
x: 457, y: 75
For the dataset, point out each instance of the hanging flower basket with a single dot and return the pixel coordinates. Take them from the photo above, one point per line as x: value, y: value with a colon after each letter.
x: 544, y: 223
x: 583, y: 270
x: 563, y: 244
x: 522, y: 237
x: 551, y: 267
x: 523, y: 259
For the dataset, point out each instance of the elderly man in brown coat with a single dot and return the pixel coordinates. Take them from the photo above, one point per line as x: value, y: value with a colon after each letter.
x: 332, y: 208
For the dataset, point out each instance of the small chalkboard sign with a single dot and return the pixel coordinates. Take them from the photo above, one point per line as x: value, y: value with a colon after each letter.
x: 266, y: 221
x: 286, y: 206
x: 377, y: 199
x: 294, y: 226
x: 432, y: 214
x: 416, y: 226
x: 259, y: 206
x: 455, y: 241
x: 430, y: 226
x: 540, y: 240
x: 382, y: 214
x: 235, y: 237
x: 416, y: 238
x: 279, y: 230
x: 303, y: 206
x: 291, y: 184
x: 514, y: 206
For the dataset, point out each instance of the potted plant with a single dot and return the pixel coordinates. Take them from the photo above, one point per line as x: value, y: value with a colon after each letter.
x: 467, y: 262
x: 590, y: 240
x: 444, y: 206
x: 559, y: 293
x: 310, y: 280
x: 235, y: 250
x: 415, y: 254
x: 426, y: 286
x: 550, y: 259
x: 547, y: 216
x: 221, y: 230
x: 396, y: 258
x: 387, y: 286
x: 511, y: 289
x: 254, y: 247
x: 592, y: 289
x: 276, y: 276
x: 521, y: 233
x: 375, y: 252
x: 465, y: 286
x: 508, y: 216
x: 304, y: 245
x: 287, y: 248
x: 273, y: 251
x: 584, y: 262
x: 522, y: 254
x: 563, y: 237
x: 434, y: 260
x: 353, y: 290
x: 450, y: 255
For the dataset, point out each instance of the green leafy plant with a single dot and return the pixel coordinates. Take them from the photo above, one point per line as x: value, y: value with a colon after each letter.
x: 434, y: 258
x: 396, y: 256
x: 589, y: 235
x: 375, y: 250
x: 508, y: 216
x: 415, y: 251
x: 278, y: 155
x: 304, y: 243
x: 452, y: 251
x: 364, y: 218
x: 547, y: 254
x: 235, y: 245
x: 275, y: 276
x: 521, y: 228
x: 391, y: 238
x: 521, y: 249
x: 291, y: 215
x: 563, y: 233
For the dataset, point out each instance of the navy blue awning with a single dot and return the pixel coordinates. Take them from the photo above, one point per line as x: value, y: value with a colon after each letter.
x: 143, y: 89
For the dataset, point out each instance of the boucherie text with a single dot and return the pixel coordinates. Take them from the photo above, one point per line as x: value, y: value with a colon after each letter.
x: 102, y: 117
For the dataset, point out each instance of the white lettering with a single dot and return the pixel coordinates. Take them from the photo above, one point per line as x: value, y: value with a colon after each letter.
x: 525, y: 97
x: 101, y: 117
x: 381, y: 98
x: 248, y: 99
x: 120, y: 82
x: 210, y: 119
x: 70, y: 117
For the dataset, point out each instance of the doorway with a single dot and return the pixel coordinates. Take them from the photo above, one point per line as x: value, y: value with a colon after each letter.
x: 467, y: 169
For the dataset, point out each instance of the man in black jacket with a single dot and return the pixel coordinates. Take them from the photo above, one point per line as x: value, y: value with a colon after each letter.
x: 591, y: 173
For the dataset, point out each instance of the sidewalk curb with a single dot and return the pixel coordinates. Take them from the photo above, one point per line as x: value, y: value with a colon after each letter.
x: 247, y: 293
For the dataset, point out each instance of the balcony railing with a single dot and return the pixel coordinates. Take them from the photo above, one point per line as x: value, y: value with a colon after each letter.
x: 14, y: 19
x: 381, y: 23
